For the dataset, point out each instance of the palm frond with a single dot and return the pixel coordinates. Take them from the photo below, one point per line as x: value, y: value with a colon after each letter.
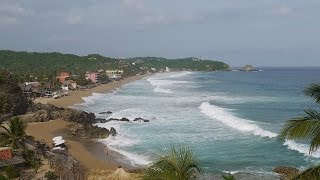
x: 300, y: 128
x: 313, y: 90
x: 173, y: 163
x: 311, y: 173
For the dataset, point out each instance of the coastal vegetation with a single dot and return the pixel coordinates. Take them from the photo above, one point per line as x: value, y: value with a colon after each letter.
x: 13, y: 134
x: 31, y: 66
x: 307, y: 128
x: 174, y: 163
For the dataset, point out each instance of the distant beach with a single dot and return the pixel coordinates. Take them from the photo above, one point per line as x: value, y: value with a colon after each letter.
x: 75, y: 97
x: 91, y: 154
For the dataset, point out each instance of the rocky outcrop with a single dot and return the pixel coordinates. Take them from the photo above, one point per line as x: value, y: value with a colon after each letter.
x: 113, y: 131
x: 286, y: 173
x: 46, y: 112
x: 139, y: 119
x: 107, y: 112
x: 247, y: 68
x: 84, y: 120
x: 88, y: 131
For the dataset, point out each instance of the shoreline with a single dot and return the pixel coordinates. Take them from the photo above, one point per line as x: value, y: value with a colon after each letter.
x: 76, y: 97
x: 91, y: 154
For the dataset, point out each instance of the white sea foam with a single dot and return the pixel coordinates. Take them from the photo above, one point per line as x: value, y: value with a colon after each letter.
x: 161, y: 85
x: 301, y: 148
x: 227, y: 118
x: 231, y: 99
x: 162, y: 90
x: 121, y: 141
x: 132, y: 113
x: 181, y: 74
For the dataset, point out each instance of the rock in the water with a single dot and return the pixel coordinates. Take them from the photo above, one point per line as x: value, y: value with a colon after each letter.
x: 105, y: 112
x: 139, y: 119
x: 101, y: 120
x: 113, y: 131
x: 124, y: 119
x: 247, y: 68
x: 286, y: 173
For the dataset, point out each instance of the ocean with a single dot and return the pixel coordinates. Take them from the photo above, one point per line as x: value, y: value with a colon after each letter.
x: 230, y: 119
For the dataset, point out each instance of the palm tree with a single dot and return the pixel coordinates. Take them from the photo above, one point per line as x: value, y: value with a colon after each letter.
x: 306, y: 127
x: 13, y: 134
x: 174, y: 164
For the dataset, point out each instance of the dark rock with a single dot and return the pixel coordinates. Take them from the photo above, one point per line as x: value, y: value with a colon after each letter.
x: 124, y: 119
x: 113, y: 131
x: 286, y: 173
x: 40, y: 116
x: 139, y: 119
x: 109, y: 112
x: 247, y: 68
x: 101, y: 120
x: 102, y: 112
x: 88, y: 131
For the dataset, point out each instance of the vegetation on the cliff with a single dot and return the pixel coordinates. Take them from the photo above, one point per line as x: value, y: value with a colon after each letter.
x: 12, y: 101
x: 13, y: 134
x: 308, y: 128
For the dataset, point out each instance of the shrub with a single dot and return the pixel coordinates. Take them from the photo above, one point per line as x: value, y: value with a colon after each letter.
x: 12, y: 172
x: 228, y: 177
x: 50, y: 175
x: 2, y: 177
x: 36, y: 163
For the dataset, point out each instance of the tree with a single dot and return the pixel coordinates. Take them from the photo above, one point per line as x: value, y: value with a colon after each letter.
x: 3, y: 104
x: 308, y: 128
x: 36, y: 163
x: 14, y: 134
x: 174, y: 164
x: 103, y: 78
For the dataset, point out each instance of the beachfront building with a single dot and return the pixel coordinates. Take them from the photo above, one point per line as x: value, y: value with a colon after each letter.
x: 114, y: 75
x: 93, y: 76
x: 69, y: 85
x: 7, y: 158
x: 63, y: 76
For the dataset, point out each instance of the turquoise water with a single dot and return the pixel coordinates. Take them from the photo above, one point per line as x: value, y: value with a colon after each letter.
x: 230, y: 119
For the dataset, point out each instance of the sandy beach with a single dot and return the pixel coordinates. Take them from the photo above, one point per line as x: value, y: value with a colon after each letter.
x: 91, y: 155
x: 75, y: 97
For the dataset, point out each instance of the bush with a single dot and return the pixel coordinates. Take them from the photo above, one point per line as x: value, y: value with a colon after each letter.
x: 2, y: 177
x: 36, y: 163
x: 12, y: 172
x: 50, y: 175
x: 228, y: 177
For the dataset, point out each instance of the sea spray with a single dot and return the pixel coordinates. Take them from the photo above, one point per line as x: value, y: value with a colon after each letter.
x: 227, y: 118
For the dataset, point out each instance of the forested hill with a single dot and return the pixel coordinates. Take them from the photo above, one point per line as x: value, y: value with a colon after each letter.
x: 31, y: 63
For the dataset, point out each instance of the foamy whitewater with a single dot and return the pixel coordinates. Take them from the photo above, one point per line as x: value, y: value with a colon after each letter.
x: 230, y: 119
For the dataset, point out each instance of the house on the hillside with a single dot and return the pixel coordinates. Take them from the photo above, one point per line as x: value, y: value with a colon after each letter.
x: 7, y: 158
x: 31, y: 88
x: 93, y: 76
x: 63, y: 76
x: 114, y: 75
x: 69, y: 85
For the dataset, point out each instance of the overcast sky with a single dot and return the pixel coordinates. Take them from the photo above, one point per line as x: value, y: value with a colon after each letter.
x: 258, y: 32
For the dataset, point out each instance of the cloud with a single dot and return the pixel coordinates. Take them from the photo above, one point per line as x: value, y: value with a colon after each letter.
x: 282, y: 10
x: 59, y: 38
x: 74, y: 19
x: 11, y: 13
